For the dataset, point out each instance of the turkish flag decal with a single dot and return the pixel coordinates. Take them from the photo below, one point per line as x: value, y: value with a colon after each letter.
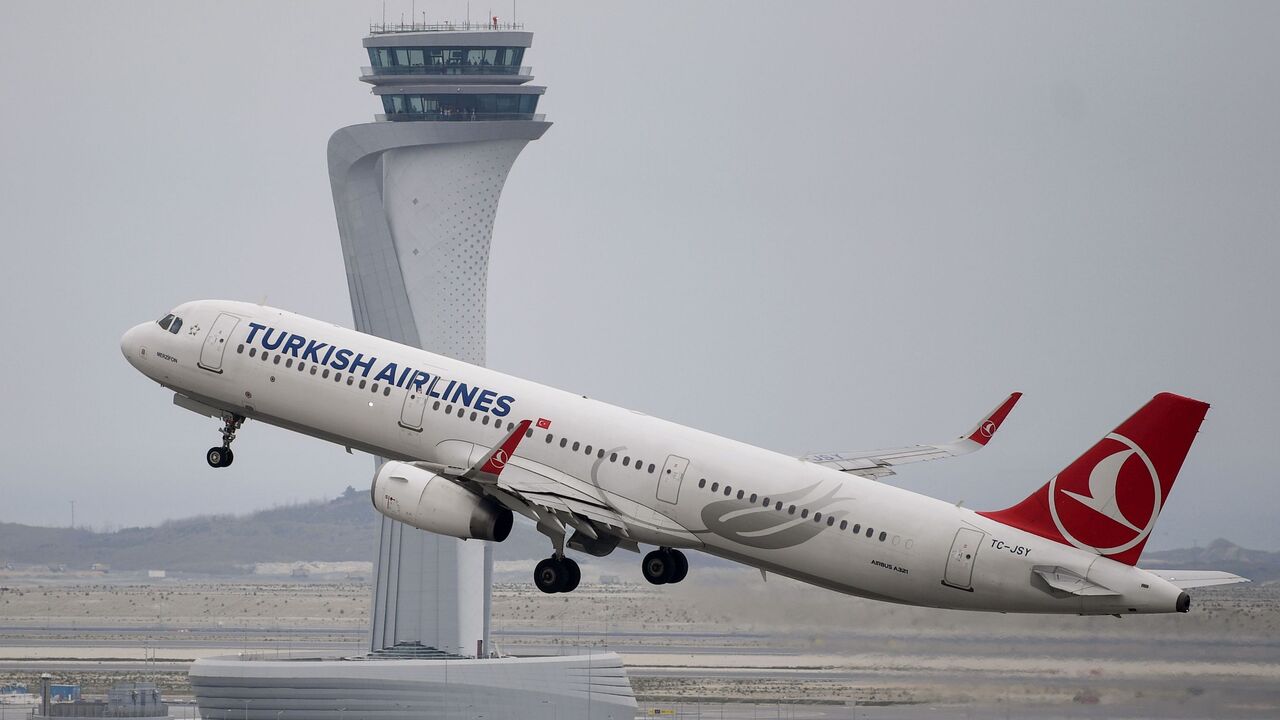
x: 544, y: 423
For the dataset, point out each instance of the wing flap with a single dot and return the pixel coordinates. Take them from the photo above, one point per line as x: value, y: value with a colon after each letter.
x: 511, y: 480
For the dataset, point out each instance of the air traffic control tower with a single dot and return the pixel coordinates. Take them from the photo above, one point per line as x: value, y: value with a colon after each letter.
x: 415, y: 194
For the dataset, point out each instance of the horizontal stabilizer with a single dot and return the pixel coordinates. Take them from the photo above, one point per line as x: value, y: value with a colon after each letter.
x: 1198, y: 578
x: 1060, y: 578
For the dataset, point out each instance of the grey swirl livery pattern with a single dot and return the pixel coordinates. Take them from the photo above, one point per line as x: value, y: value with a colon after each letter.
x: 767, y: 528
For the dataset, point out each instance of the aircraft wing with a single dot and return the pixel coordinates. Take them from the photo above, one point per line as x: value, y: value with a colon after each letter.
x: 879, y: 463
x: 1187, y: 579
x: 500, y: 475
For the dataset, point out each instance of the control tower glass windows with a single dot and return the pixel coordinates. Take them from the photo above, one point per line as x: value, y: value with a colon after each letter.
x: 486, y: 106
x: 446, y: 61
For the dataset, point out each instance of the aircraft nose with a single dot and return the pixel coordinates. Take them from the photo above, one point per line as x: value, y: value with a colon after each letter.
x: 131, y: 344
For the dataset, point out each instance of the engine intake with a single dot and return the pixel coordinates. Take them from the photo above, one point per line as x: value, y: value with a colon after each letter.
x: 437, y: 504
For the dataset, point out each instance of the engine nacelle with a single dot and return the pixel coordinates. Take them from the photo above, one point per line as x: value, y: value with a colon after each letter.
x: 437, y: 504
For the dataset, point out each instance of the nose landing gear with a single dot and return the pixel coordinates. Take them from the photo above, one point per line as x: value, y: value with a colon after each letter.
x: 665, y: 565
x: 221, y: 456
x: 557, y: 575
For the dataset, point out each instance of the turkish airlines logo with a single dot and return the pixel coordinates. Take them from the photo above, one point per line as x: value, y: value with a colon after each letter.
x: 1109, y: 500
x: 988, y: 429
x: 499, y: 460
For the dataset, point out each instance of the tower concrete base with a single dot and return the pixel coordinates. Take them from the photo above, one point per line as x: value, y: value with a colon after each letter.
x: 369, y: 688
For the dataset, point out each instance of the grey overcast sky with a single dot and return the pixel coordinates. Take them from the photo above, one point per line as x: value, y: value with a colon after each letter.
x: 809, y: 227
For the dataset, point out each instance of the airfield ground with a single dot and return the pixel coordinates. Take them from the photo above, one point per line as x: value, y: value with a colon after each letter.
x: 775, y: 649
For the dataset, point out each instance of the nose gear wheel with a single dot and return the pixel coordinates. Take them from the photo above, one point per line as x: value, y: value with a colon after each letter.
x: 221, y: 456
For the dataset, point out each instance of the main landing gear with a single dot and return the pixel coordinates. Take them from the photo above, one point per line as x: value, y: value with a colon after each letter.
x: 222, y: 456
x: 557, y: 574
x: 665, y: 565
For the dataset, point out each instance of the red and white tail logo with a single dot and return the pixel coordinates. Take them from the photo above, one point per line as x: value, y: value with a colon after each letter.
x: 1109, y: 499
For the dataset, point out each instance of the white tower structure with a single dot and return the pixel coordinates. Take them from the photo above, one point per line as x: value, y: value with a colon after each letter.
x: 416, y: 193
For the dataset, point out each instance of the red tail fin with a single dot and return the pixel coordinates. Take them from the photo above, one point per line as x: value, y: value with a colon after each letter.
x: 1108, y: 500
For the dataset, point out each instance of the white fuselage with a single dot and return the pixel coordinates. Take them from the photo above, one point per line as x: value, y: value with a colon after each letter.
x: 907, y: 548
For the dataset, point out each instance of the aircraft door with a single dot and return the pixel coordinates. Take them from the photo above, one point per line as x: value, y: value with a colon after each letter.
x: 959, y: 572
x: 215, y: 343
x: 415, y: 404
x: 671, y: 477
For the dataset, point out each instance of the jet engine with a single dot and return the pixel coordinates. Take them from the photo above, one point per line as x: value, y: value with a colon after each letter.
x: 434, y: 503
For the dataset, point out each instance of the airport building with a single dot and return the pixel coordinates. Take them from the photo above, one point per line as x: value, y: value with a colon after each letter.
x: 416, y: 193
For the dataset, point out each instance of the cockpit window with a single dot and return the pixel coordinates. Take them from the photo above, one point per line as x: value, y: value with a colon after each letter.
x: 176, y: 326
x: 164, y: 321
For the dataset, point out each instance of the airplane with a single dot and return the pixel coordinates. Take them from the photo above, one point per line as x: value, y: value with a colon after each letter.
x: 465, y: 449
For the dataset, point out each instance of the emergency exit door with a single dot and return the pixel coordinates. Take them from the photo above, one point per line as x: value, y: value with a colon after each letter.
x: 964, y: 549
x: 671, y: 477
x: 415, y: 404
x: 215, y: 343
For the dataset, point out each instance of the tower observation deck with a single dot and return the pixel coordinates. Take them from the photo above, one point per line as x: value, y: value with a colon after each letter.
x: 438, y: 73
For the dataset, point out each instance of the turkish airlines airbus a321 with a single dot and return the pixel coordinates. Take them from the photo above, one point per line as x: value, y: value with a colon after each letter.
x: 467, y: 447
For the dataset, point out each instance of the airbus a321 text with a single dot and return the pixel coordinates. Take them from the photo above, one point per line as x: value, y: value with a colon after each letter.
x: 466, y: 448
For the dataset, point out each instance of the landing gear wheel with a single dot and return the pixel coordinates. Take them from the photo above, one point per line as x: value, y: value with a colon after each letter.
x: 557, y: 575
x: 549, y: 575
x: 657, y: 567
x: 218, y: 457
x: 680, y: 566
x: 221, y: 457
x: 572, y: 575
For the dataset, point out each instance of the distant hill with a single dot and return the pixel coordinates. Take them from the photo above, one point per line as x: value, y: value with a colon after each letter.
x: 340, y: 529
x: 1257, y: 565
x: 343, y: 529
